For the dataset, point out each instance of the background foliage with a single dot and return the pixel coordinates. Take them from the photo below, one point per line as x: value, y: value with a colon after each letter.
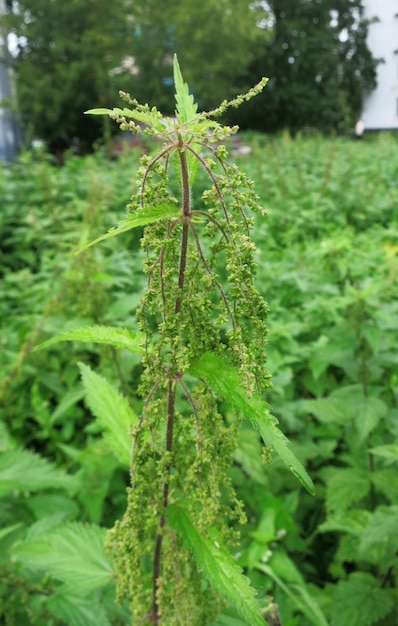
x: 76, y: 55
x: 328, y: 267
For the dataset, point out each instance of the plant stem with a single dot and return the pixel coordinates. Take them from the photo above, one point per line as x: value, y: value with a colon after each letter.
x: 186, y: 208
x: 166, y: 487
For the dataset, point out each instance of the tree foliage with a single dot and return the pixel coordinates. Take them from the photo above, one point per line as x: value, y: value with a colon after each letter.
x: 319, y: 66
x: 73, y: 54
x: 66, y: 54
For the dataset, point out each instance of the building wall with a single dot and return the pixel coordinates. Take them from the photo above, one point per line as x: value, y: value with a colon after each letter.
x: 381, y: 106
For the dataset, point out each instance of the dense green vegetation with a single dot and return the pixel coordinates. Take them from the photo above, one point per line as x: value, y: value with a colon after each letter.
x: 328, y: 267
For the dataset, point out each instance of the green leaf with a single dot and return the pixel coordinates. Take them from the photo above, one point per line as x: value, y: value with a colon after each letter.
x: 76, y: 609
x: 344, y: 487
x: 116, y: 337
x: 69, y: 400
x: 26, y: 471
x: 47, y: 504
x: 45, y: 525
x: 381, y: 529
x: 369, y: 412
x: 388, y: 452
x: 352, y: 522
x: 112, y: 411
x: 73, y: 553
x: 385, y: 481
x: 218, y: 566
x: 98, y: 111
x: 327, y: 410
x: 348, y: 403
x: 359, y: 601
x: 9, y: 529
x: 186, y: 107
x: 224, y: 379
x: 146, y: 117
x: 248, y: 455
x: 228, y: 620
x: 140, y: 217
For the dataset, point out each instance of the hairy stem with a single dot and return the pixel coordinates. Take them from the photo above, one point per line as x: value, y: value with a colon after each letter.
x: 165, y: 502
x: 186, y: 209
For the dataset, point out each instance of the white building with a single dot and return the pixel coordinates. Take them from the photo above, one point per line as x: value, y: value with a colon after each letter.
x: 380, y: 109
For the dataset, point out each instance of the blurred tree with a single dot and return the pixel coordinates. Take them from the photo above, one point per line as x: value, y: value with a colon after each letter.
x: 319, y: 67
x: 214, y: 40
x: 76, y: 54
x: 65, y: 53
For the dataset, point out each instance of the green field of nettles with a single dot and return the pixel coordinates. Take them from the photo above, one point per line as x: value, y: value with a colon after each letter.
x: 327, y: 264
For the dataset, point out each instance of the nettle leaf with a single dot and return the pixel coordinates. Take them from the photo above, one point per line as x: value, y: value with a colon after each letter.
x: 388, y: 452
x: 224, y: 380
x: 26, y: 471
x: 186, y: 107
x: 359, y: 601
x: 112, y: 411
x: 352, y: 521
x: 344, y: 487
x: 226, y: 619
x: 98, y: 111
x: 116, y: 337
x: 73, y: 553
x: 370, y: 410
x: 248, y: 455
x: 381, y: 529
x: 346, y: 404
x: 140, y: 217
x: 327, y: 410
x: 385, y: 480
x: 76, y: 609
x: 9, y: 529
x: 217, y: 565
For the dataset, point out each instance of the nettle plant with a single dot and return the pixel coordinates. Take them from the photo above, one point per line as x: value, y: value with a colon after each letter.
x: 201, y: 333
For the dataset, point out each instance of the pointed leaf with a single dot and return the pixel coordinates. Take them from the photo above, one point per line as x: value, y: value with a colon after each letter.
x: 388, y: 451
x: 116, y: 337
x: 140, y: 217
x: 218, y: 566
x: 112, y: 411
x: 98, y: 111
x: 150, y: 118
x: 348, y: 403
x: 73, y: 553
x: 385, y: 481
x: 344, y: 487
x: 186, y: 107
x: 224, y: 379
x: 24, y: 470
x: 75, y: 609
x: 9, y: 529
x: 381, y: 529
x: 359, y: 601
x: 369, y: 411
